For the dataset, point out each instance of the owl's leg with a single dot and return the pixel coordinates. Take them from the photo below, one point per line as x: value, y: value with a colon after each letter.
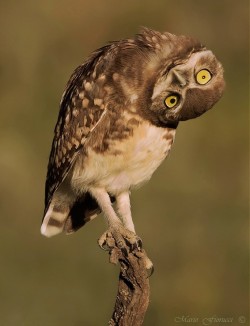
x: 124, y: 210
x: 120, y: 233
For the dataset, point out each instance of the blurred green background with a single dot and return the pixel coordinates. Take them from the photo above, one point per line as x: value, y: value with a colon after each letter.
x: 192, y: 215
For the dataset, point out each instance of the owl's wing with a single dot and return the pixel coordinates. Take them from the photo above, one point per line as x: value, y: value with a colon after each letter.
x: 79, y: 114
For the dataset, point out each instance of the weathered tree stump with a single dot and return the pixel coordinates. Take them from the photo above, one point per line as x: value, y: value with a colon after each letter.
x: 133, y: 287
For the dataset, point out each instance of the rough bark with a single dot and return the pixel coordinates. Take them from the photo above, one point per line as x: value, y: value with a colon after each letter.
x: 133, y: 287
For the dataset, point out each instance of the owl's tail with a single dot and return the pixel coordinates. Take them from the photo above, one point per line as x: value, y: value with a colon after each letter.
x: 60, y: 218
x: 54, y: 220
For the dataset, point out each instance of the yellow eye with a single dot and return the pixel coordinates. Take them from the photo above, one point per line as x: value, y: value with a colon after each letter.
x: 171, y: 101
x: 203, y: 77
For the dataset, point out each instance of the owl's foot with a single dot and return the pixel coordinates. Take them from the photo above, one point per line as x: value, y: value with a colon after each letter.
x: 120, y: 242
x: 120, y: 237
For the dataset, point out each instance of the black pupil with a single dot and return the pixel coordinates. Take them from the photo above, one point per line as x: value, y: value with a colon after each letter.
x: 172, y: 101
x: 203, y: 77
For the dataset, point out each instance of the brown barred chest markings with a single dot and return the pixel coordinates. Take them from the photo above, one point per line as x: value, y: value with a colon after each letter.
x: 127, y: 162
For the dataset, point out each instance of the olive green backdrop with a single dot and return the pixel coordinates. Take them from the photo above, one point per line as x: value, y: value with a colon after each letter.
x: 192, y: 215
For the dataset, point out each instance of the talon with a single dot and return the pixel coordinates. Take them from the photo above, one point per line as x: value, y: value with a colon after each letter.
x: 134, y: 246
x: 150, y: 271
x: 122, y: 238
x: 106, y: 241
x: 139, y: 243
x: 102, y: 244
x: 135, y: 243
x: 149, y: 266
x: 124, y: 251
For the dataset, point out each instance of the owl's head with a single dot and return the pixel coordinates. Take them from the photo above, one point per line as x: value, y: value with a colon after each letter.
x: 186, y: 80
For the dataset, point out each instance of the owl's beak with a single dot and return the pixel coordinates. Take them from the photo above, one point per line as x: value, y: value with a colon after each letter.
x: 179, y: 78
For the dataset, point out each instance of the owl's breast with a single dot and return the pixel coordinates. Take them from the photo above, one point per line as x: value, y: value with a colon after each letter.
x: 127, y: 162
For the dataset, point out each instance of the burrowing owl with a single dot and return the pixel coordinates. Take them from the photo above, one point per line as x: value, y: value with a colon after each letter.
x: 117, y: 122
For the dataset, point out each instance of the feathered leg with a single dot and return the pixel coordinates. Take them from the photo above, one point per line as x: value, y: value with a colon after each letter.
x: 124, y: 210
x: 119, y: 232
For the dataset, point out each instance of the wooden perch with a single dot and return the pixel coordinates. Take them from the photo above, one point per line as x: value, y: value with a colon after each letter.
x: 133, y: 288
